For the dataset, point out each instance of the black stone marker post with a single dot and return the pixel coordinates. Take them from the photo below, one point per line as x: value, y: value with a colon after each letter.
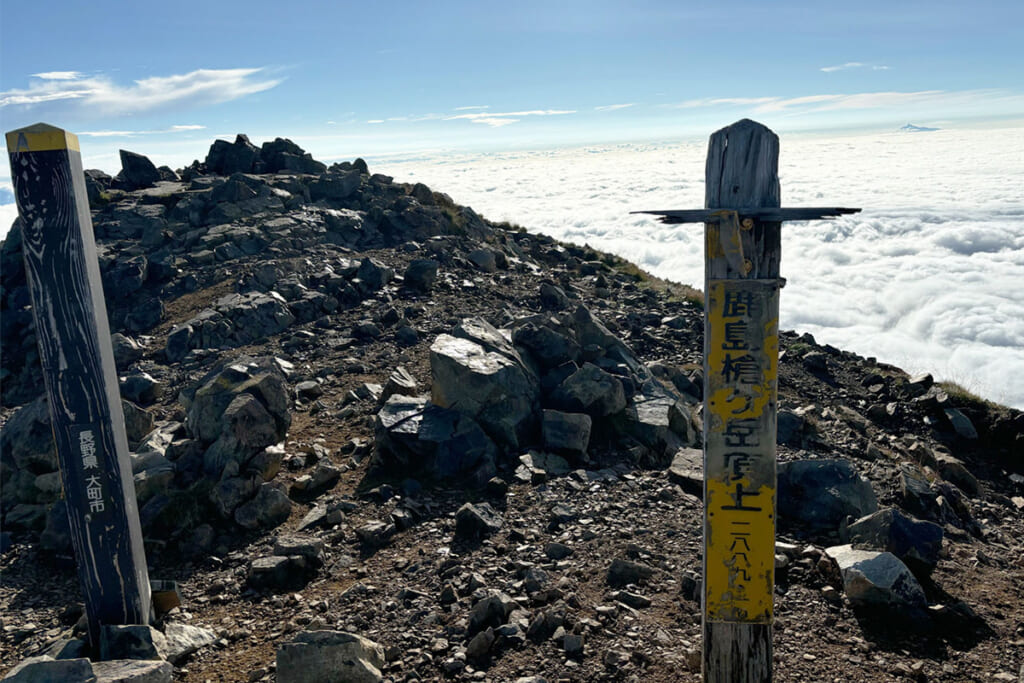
x: 78, y: 370
x: 743, y: 248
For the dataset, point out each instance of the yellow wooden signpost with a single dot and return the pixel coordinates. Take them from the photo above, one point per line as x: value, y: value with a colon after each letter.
x: 742, y: 222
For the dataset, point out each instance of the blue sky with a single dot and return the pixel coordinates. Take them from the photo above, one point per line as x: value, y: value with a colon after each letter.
x: 348, y: 79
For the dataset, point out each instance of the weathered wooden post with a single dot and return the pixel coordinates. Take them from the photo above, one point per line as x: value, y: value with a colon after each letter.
x: 741, y: 316
x: 78, y: 370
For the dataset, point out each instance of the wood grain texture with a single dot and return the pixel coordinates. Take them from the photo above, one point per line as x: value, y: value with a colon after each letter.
x: 741, y: 264
x: 81, y: 384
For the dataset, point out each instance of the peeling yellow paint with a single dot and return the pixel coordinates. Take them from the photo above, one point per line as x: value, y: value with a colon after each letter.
x: 728, y: 401
x: 740, y: 548
x: 742, y: 381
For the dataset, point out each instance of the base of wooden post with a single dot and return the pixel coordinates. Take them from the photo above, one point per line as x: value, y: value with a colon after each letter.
x: 737, y: 653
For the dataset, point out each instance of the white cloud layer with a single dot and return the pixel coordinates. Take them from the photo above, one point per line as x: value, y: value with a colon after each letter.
x: 927, y: 277
x: 103, y: 95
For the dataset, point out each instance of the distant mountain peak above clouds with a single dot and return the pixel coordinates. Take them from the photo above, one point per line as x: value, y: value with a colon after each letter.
x: 911, y: 128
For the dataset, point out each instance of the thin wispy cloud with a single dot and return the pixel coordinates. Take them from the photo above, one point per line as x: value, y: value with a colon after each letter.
x: 494, y: 122
x: 870, y: 100
x: 613, y: 107
x: 499, y: 119
x: 842, y: 67
x: 854, y: 65
x: 472, y: 106
x: 101, y: 94
x: 721, y: 101
x: 58, y: 75
x: 136, y: 133
x: 414, y: 118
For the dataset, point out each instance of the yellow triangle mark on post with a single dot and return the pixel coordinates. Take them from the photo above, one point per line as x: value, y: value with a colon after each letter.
x: 41, y: 137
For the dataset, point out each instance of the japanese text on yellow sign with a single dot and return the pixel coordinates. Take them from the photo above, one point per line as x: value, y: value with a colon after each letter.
x: 740, y: 450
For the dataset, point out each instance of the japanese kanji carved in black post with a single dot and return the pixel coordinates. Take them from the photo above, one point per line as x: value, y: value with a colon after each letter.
x: 78, y: 370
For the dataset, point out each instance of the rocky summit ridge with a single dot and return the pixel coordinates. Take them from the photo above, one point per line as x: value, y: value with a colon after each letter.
x: 376, y: 436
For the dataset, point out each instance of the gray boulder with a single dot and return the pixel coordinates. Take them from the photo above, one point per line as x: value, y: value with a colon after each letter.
x: 137, y: 171
x: 156, y: 477
x: 494, y: 388
x: 310, y: 486
x: 590, y: 390
x: 126, y: 350
x: 138, y: 422
x: 592, y: 332
x: 230, y: 492
x: 916, y: 543
x: 373, y: 275
x: 26, y: 442
x: 687, y: 470
x: 547, y: 341
x: 567, y: 433
x: 225, y: 158
x: 399, y: 382
x: 480, y: 644
x: 335, y: 186
x: 553, y: 297
x: 328, y: 657
x: 790, y: 428
x: 239, y: 410
x: 821, y: 494
x: 650, y: 420
x: 458, y: 444
x: 275, y: 573
x: 68, y: 648
x: 483, y: 259
x: 474, y: 521
x: 235, y: 190
x: 140, y: 387
x: 414, y: 436
x: 309, y: 548
x: 539, y: 467
x: 961, y: 424
x: 254, y: 315
x: 284, y: 155
x: 183, y: 640
x: 56, y: 536
x: 916, y: 494
x: 874, y: 579
x: 421, y: 274
x: 46, y: 669
x: 624, y: 572
x: 269, y: 508
x: 954, y: 471
x: 490, y: 611
x: 133, y: 671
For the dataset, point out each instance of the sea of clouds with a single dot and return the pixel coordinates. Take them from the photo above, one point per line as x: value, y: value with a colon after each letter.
x: 929, y: 276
